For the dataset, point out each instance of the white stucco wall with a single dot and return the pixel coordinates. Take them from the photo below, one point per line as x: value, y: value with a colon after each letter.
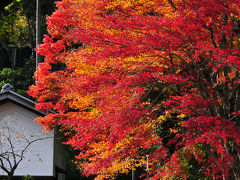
x: 18, y: 123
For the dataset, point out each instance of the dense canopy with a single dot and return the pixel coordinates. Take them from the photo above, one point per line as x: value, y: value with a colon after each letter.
x: 145, y: 84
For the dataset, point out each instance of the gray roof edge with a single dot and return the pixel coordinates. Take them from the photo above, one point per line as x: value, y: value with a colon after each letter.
x: 19, y: 99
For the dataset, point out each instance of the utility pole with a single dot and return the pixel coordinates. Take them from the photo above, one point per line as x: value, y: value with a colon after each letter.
x: 38, y: 29
x: 133, y: 174
x: 147, y: 166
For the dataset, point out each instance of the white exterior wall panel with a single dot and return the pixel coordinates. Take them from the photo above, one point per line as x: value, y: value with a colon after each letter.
x: 38, y: 159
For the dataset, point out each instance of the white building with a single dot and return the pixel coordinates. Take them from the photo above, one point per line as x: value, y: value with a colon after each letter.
x: 24, y: 144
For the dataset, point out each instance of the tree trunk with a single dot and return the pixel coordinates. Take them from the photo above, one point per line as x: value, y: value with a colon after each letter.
x: 10, y: 176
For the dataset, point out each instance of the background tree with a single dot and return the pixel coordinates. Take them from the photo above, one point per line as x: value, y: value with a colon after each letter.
x: 17, y: 40
x: 151, y: 84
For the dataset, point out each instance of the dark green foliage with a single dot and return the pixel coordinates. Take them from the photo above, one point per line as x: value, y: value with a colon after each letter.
x: 20, y: 78
x: 72, y: 172
x: 28, y: 177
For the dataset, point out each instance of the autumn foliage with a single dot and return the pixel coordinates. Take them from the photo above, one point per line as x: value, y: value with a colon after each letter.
x: 151, y: 84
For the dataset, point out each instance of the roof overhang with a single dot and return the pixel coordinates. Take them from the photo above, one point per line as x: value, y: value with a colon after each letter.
x: 11, y: 96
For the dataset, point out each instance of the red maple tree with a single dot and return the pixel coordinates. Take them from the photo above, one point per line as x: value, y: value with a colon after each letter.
x: 145, y: 82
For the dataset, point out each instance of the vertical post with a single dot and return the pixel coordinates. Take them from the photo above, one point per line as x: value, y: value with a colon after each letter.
x: 133, y: 174
x: 147, y: 167
x: 38, y: 29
